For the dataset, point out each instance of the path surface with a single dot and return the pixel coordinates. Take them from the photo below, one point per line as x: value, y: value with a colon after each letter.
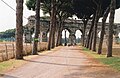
x: 66, y: 62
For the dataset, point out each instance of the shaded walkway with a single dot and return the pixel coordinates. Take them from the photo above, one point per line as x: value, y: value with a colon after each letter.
x: 66, y: 62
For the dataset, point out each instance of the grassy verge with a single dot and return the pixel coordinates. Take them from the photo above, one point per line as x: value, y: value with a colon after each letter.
x: 11, y: 64
x: 113, y: 62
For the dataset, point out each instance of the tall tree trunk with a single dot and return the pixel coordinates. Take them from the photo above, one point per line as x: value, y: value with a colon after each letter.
x: 110, y: 28
x: 54, y: 27
x: 91, y: 38
x: 103, y: 30
x: 84, y: 29
x: 58, y: 34
x: 60, y: 38
x: 90, y: 31
x: 95, y: 27
x: 65, y: 39
x: 19, y: 29
x: 51, y: 25
x: 37, y: 28
x: 59, y: 31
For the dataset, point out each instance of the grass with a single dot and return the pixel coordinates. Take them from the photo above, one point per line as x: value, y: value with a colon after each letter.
x: 7, y: 65
x: 113, y: 62
x: 13, y: 63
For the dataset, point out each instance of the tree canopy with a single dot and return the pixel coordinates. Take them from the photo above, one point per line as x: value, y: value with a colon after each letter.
x: 80, y: 8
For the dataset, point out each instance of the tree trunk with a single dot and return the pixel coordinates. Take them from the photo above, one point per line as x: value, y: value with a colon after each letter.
x: 110, y: 28
x: 90, y: 43
x: 19, y: 29
x: 90, y: 31
x: 103, y: 30
x: 58, y: 34
x: 60, y: 38
x: 95, y: 27
x: 54, y: 27
x: 65, y: 39
x: 37, y: 28
x: 51, y: 25
x: 59, y: 31
x: 84, y: 29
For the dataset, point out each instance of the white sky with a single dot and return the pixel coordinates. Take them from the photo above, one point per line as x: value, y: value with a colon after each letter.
x: 8, y: 16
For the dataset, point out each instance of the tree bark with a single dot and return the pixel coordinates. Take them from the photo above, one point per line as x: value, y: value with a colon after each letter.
x: 110, y: 29
x: 90, y: 31
x: 19, y: 29
x: 58, y: 34
x: 84, y: 29
x: 103, y: 30
x: 90, y: 43
x: 37, y: 28
x: 59, y: 31
x: 95, y: 27
x: 65, y: 39
x: 54, y: 26
x: 60, y: 38
x: 51, y: 25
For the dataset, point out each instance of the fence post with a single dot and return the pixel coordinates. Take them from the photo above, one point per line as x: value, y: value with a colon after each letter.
x: 26, y: 49
x: 2, y: 56
x: 13, y: 51
x: 6, y: 51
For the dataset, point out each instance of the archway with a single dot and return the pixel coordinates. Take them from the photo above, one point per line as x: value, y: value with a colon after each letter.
x: 99, y: 33
x: 48, y: 36
x: 78, y: 35
x: 65, y: 36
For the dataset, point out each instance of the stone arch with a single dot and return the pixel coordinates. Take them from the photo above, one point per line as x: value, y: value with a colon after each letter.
x: 67, y: 33
x: 67, y: 29
x: 78, y: 35
x: 65, y: 36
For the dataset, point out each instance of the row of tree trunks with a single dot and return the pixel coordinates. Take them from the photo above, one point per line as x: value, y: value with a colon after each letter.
x: 91, y: 39
x: 58, y: 34
x: 52, y: 26
x: 37, y: 28
x: 85, y: 21
x: 84, y: 29
x: 103, y: 30
x: 19, y: 28
x: 90, y: 31
x: 95, y: 27
x: 59, y: 43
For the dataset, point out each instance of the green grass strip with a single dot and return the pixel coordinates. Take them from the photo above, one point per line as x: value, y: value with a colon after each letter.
x: 113, y: 62
x: 6, y: 65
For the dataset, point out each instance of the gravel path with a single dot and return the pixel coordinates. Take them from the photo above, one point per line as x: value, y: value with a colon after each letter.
x: 65, y: 62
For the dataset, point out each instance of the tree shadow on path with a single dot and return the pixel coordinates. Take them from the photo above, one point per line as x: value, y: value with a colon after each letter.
x: 6, y: 76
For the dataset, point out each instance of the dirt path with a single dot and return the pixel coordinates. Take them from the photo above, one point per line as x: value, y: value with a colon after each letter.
x: 67, y: 62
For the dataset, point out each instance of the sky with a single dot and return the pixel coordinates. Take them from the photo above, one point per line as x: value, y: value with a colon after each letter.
x: 8, y: 16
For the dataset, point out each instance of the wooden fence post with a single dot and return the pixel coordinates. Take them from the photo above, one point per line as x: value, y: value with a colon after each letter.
x: 2, y: 56
x: 6, y: 51
x: 13, y: 51
x: 26, y: 49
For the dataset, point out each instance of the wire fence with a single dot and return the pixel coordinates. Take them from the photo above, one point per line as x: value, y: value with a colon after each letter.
x: 7, y: 50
